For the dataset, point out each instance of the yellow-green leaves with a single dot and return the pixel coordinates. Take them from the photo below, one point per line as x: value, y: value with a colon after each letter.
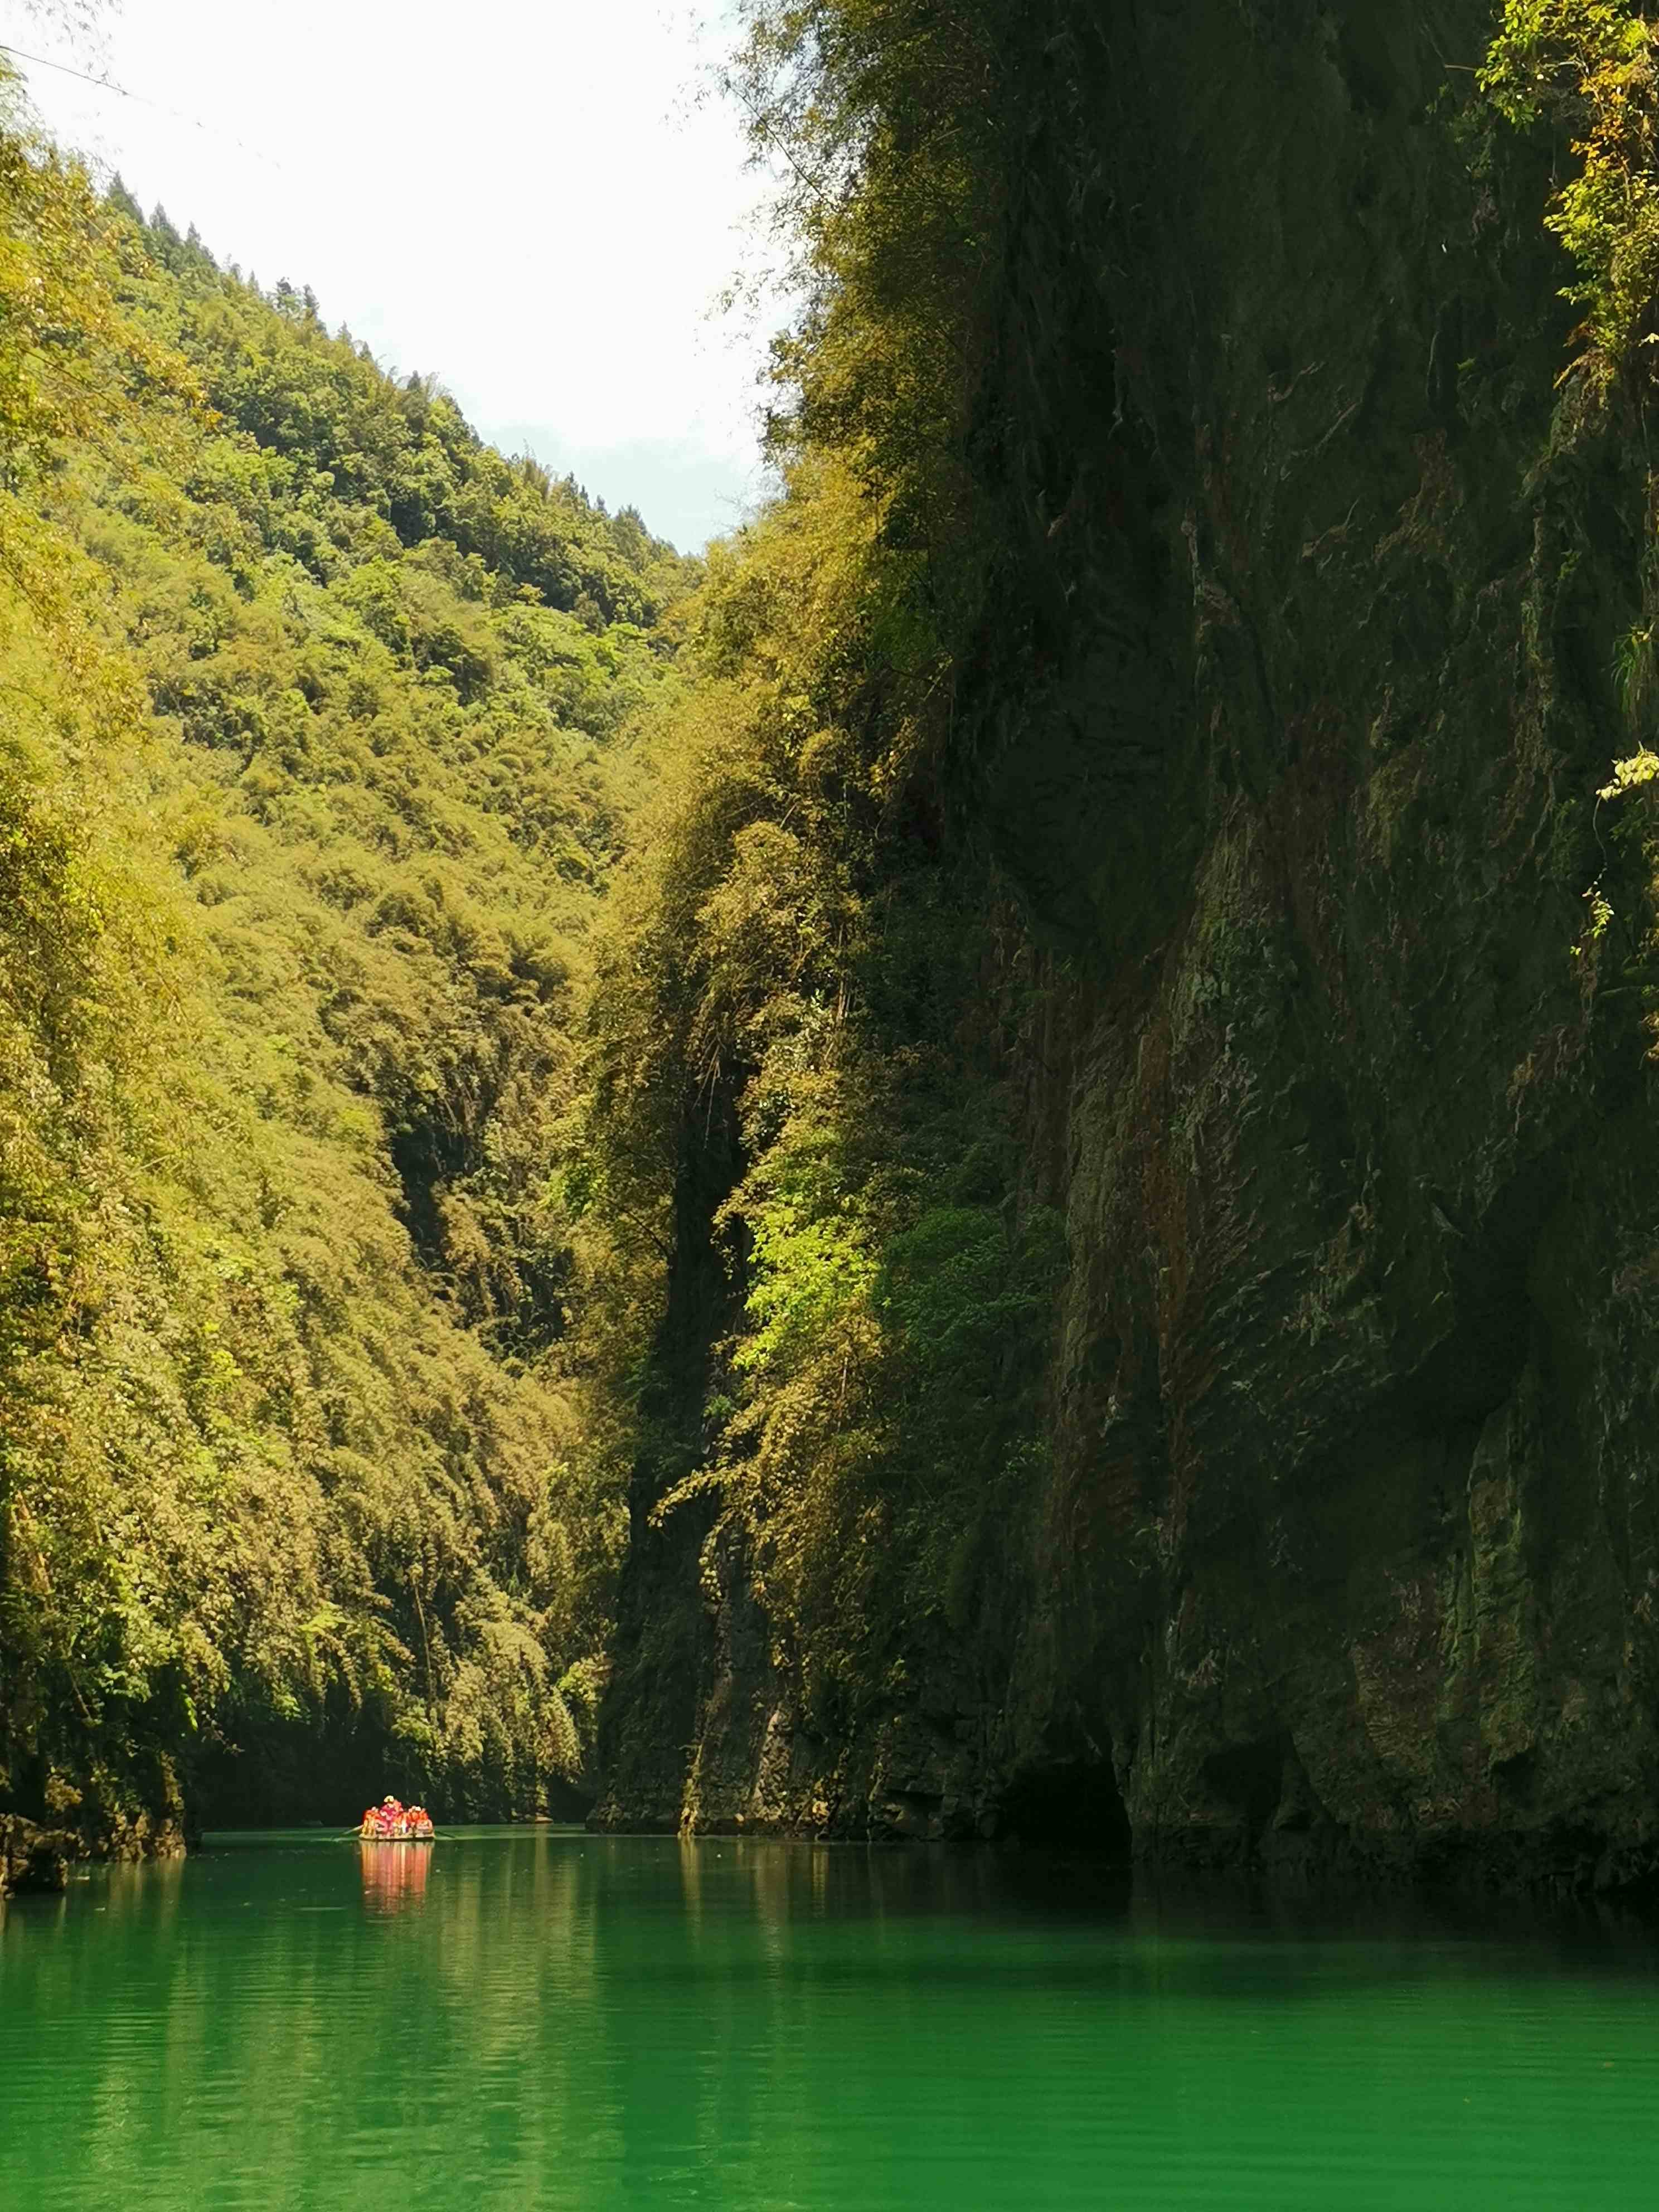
x: 301, y: 822
x: 1629, y: 774
x: 74, y: 362
x: 1590, y: 65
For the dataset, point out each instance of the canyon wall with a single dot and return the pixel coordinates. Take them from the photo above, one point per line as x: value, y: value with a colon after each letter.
x: 1348, y: 1547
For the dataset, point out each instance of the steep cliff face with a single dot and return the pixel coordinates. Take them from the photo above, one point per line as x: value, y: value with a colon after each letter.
x: 1348, y: 1548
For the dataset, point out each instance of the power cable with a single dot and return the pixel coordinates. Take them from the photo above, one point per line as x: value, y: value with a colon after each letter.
x: 109, y: 84
x: 104, y: 83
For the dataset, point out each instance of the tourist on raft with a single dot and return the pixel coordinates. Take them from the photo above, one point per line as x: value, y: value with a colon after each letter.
x: 389, y: 1822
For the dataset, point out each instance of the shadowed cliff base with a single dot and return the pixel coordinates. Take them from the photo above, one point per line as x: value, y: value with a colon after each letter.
x: 1072, y: 1806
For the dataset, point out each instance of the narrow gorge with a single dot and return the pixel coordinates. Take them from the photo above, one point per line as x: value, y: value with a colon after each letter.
x: 981, y: 1167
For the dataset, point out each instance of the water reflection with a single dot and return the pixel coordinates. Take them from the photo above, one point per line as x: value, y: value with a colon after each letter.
x: 394, y: 1875
x: 586, y: 2025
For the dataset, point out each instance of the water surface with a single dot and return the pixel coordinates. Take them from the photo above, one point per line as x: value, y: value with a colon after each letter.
x: 540, y: 2020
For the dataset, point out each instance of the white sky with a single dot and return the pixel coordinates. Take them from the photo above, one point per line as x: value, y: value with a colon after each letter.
x: 526, y: 197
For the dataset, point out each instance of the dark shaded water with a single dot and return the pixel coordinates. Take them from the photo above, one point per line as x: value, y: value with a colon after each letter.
x: 535, y: 2019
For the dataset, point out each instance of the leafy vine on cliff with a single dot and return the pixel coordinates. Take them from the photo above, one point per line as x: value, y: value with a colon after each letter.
x: 814, y: 954
x: 1589, y: 66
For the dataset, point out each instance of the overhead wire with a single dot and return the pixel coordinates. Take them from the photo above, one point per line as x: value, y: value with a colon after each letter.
x: 143, y: 100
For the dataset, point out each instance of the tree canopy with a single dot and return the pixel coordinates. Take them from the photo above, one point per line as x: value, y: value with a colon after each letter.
x: 312, y: 771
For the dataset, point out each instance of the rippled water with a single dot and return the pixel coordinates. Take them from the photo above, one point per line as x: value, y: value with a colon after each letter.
x: 539, y: 2020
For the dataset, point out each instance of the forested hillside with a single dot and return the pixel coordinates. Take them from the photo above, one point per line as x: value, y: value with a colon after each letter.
x: 311, y: 774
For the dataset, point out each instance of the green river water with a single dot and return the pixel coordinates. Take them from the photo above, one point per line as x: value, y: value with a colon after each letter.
x: 536, y: 2019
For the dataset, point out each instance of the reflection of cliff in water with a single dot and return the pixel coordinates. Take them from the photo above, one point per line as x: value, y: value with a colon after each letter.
x: 613, y: 2024
x: 394, y: 1875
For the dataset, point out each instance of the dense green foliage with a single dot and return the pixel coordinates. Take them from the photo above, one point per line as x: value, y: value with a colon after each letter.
x: 444, y: 1215
x: 797, y: 962
x: 811, y: 992
x: 1589, y: 64
x: 310, y: 776
x: 1589, y: 67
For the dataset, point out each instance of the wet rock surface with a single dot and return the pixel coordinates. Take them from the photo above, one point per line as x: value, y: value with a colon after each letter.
x: 34, y: 1859
x: 136, y: 1813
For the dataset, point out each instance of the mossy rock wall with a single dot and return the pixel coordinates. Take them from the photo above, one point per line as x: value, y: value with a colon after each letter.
x: 1350, y: 1552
